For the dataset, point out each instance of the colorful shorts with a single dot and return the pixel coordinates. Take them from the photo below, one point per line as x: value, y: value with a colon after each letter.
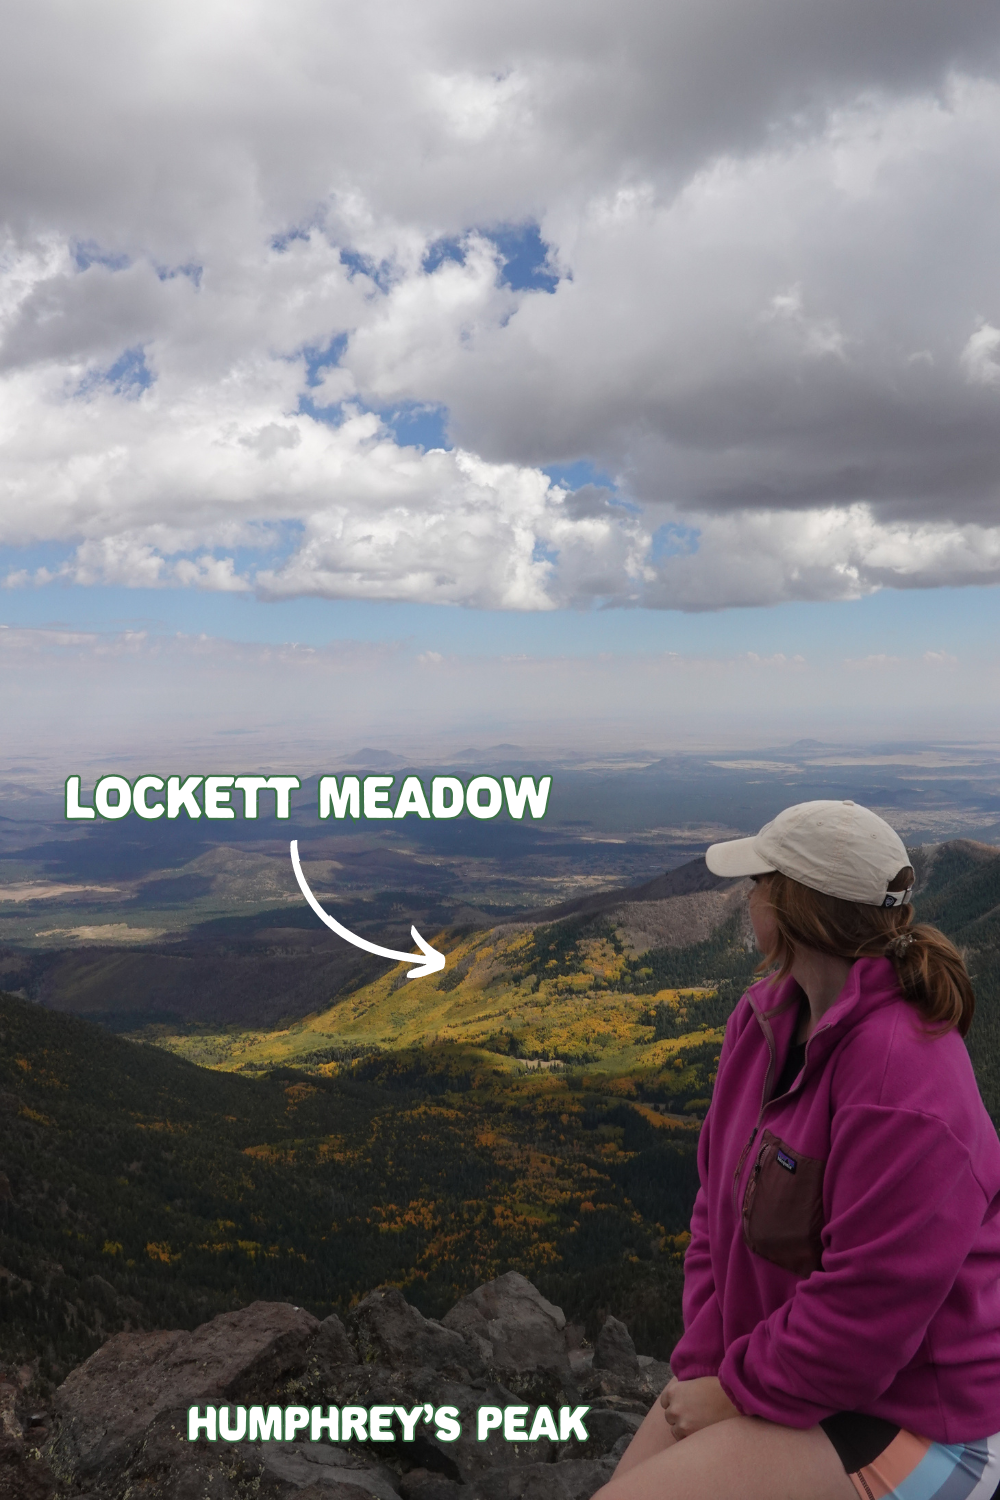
x: 884, y: 1462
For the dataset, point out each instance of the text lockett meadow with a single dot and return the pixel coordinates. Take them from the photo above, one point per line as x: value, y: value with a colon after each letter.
x: 152, y: 797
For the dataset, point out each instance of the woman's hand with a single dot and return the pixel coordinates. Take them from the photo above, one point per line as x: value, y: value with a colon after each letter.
x: 690, y: 1405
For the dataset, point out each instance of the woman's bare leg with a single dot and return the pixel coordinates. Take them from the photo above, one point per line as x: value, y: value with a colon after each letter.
x: 743, y: 1458
x: 651, y: 1438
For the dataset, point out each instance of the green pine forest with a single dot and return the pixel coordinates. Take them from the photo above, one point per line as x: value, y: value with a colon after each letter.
x: 538, y: 1112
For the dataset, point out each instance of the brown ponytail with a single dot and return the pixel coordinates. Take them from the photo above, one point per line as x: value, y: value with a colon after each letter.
x: 930, y: 970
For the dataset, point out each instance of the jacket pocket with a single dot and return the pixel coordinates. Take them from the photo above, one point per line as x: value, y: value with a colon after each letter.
x: 783, y: 1207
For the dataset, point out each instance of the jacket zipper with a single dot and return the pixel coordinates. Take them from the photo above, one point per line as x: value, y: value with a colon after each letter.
x: 739, y: 1165
x: 750, y: 1193
x: 764, y: 1101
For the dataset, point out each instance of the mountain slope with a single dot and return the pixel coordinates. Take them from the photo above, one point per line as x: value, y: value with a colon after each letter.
x: 585, y: 985
x: 570, y: 985
x: 397, y: 1134
x: 959, y: 891
x: 138, y: 1190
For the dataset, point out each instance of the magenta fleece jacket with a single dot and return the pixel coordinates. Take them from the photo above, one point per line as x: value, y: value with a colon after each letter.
x: 871, y: 1193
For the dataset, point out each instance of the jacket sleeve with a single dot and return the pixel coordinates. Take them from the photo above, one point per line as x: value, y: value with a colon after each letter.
x: 903, y: 1211
x: 700, y: 1348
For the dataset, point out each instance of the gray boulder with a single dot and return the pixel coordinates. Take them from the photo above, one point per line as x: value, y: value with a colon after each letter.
x: 332, y: 1489
x: 607, y: 1426
x: 512, y: 1326
x: 324, y: 1464
x: 424, y: 1484
x: 113, y: 1396
x: 332, y: 1343
x: 162, y: 1465
x: 572, y: 1480
x: 462, y: 1460
x: 24, y: 1474
x: 387, y: 1330
x: 615, y: 1350
x: 582, y: 1476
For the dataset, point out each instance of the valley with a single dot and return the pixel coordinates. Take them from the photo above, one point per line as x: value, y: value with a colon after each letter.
x: 209, y: 1099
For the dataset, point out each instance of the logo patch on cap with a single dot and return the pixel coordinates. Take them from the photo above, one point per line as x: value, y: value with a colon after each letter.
x: 898, y: 898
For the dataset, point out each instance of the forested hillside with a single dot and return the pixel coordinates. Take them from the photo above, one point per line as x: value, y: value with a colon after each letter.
x: 535, y: 1107
x: 141, y: 1189
x: 959, y: 891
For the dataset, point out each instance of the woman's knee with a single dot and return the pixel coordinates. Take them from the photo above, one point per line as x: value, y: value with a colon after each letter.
x: 762, y: 1459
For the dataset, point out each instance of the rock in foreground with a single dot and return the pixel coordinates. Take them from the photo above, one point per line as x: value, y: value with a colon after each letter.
x: 119, y: 1426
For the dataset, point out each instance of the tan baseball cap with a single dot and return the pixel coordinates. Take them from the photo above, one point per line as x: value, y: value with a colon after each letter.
x: 838, y: 848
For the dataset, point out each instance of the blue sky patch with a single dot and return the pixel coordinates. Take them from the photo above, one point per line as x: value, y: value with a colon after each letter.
x: 524, y: 258
x: 192, y: 271
x: 379, y: 271
x: 575, y: 475
x: 544, y: 552
x: 413, y: 424
x: 129, y: 375
x: 280, y: 242
x: 416, y: 425
x: 86, y: 254
x: 522, y: 250
x: 318, y: 360
x: 279, y: 541
x: 674, y: 541
x: 333, y: 415
x: 442, y: 250
x: 48, y: 555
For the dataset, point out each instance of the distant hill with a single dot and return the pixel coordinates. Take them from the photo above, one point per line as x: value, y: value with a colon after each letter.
x: 686, y: 880
x: 260, y: 967
x: 610, y: 978
x: 606, y: 979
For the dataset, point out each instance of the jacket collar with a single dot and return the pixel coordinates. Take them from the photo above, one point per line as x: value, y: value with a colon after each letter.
x: 871, y: 983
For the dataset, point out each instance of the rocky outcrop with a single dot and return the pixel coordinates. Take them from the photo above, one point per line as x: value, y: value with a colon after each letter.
x: 615, y: 1350
x: 24, y: 1473
x: 512, y: 1327
x: 109, y: 1401
x: 119, y: 1424
x: 386, y: 1329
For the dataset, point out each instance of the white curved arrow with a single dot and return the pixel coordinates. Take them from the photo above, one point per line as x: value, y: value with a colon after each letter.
x: 429, y: 964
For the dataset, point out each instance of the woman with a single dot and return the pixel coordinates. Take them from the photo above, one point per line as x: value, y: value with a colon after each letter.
x: 842, y: 1284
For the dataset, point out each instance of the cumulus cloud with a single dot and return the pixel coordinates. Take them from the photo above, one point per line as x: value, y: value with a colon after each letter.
x: 756, y: 558
x: 738, y: 260
x: 980, y: 359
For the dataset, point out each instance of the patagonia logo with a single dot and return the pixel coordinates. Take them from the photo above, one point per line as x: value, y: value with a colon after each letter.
x: 788, y: 1162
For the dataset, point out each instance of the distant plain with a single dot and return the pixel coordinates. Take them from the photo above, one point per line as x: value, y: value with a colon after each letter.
x: 135, y: 921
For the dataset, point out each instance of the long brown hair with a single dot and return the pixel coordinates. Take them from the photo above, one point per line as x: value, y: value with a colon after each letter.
x: 930, y: 969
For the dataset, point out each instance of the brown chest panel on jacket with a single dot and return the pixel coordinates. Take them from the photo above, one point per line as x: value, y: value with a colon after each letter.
x: 783, y: 1206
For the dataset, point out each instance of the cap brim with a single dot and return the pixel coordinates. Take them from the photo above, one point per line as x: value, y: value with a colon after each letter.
x: 737, y: 857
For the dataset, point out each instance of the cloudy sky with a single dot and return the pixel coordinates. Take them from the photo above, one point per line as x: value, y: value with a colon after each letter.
x: 509, y: 368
